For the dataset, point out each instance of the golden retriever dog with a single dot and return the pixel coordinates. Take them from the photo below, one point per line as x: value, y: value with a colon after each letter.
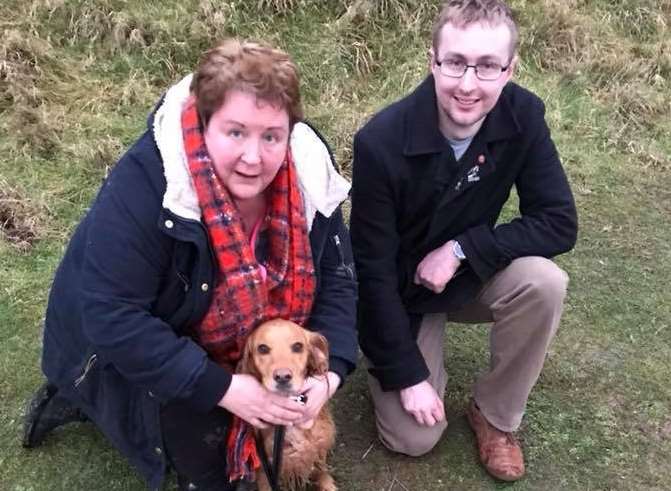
x: 281, y: 355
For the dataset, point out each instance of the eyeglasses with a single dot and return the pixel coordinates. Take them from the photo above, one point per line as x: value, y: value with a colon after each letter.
x: 486, y: 70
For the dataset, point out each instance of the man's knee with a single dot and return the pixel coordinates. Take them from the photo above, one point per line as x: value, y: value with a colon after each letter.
x: 542, y: 279
x: 415, y: 443
x: 549, y: 281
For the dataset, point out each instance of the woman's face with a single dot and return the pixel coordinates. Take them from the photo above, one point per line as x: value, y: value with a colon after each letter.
x: 247, y: 140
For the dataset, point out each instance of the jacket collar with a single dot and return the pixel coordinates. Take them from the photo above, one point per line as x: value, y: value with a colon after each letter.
x: 323, y: 189
x: 422, y: 134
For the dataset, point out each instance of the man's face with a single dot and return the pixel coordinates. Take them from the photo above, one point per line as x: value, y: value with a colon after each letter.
x: 464, y: 102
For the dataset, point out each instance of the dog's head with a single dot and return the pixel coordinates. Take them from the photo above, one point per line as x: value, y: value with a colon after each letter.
x: 281, y: 354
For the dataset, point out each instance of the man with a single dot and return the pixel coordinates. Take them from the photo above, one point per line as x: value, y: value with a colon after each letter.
x: 431, y: 174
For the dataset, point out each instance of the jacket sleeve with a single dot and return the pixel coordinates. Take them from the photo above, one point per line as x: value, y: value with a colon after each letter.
x: 548, y: 223
x: 384, y: 325
x: 334, y: 309
x: 125, y: 259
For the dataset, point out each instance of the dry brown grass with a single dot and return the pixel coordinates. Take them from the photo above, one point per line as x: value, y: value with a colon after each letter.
x: 93, y: 22
x: 365, y: 31
x: 40, y: 89
x: 278, y: 6
x: 21, y: 65
x: 623, y: 57
x: 639, y: 19
x: 104, y: 155
x: 37, y: 130
x: 562, y: 37
x: 211, y: 18
x: 28, y: 74
x: 358, y: 53
x: 18, y: 218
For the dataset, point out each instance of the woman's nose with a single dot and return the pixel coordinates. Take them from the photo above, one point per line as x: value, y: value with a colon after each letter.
x: 252, y: 151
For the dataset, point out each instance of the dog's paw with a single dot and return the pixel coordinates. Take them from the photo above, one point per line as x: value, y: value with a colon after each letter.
x: 325, y: 482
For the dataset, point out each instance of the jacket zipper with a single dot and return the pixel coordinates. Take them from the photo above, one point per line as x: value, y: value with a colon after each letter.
x: 89, y: 365
x: 341, y: 255
x: 185, y: 281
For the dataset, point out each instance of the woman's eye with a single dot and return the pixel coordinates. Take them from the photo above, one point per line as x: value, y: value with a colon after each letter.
x: 270, y: 138
x: 235, y: 133
x: 263, y: 349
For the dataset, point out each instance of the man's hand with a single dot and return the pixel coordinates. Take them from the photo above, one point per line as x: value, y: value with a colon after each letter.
x: 423, y: 403
x: 318, y: 389
x: 251, y: 401
x: 437, y: 268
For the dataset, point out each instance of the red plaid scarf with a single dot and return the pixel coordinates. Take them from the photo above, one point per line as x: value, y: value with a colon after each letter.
x: 242, y: 299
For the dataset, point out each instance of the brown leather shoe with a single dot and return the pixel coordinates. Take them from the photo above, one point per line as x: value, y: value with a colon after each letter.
x: 500, y: 452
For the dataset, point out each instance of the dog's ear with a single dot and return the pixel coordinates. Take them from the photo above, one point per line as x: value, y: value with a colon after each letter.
x: 246, y: 363
x: 318, y: 358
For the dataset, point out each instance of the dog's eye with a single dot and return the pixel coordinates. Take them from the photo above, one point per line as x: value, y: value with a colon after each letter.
x: 297, y: 347
x: 263, y: 349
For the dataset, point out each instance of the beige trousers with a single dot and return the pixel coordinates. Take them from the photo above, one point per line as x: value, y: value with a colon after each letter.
x: 524, y: 301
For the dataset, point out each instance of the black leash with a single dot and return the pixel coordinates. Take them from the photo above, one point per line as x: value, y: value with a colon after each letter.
x: 272, y: 469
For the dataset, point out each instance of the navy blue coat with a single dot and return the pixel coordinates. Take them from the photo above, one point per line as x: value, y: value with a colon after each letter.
x: 134, y: 277
x: 410, y: 196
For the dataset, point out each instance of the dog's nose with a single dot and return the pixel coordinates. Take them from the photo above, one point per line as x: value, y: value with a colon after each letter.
x: 282, y: 376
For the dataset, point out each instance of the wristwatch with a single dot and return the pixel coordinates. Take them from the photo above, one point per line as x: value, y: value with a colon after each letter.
x: 458, y: 251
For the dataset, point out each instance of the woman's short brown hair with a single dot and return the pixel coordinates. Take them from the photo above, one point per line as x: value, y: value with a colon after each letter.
x: 254, y: 67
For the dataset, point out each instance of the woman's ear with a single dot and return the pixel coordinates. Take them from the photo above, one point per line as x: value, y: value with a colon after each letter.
x: 318, y: 358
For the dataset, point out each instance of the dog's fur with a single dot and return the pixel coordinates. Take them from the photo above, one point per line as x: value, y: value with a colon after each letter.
x: 281, y: 354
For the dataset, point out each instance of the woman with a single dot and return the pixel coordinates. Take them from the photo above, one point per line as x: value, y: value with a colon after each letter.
x: 225, y: 213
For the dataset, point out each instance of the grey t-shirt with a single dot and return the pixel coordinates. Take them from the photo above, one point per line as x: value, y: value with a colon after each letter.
x: 460, y: 146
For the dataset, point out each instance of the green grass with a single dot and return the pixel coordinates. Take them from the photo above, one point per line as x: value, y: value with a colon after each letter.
x: 77, y: 78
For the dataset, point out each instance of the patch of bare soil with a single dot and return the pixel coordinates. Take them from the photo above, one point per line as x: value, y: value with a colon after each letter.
x: 18, y: 223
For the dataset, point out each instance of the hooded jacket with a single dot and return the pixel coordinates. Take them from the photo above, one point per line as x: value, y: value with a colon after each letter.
x: 139, y: 271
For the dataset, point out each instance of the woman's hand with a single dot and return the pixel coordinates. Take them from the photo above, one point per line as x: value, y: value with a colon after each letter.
x: 319, y: 390
x: 251, y: 401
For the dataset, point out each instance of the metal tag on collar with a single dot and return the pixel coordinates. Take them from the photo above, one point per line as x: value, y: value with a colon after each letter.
x: 301, y: 399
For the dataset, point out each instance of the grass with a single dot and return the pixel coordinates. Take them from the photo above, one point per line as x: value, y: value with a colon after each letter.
x: 77, y: 78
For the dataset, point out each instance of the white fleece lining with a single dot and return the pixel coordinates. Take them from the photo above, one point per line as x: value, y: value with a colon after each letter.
x: 180, y: 195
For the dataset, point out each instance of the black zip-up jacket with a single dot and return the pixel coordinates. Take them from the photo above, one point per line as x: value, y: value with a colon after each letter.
x: 134, y: 278
x: 410, y: 196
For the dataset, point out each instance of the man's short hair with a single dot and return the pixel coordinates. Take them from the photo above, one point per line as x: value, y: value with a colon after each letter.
x: 248, y: 66
x: 462, y: 13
